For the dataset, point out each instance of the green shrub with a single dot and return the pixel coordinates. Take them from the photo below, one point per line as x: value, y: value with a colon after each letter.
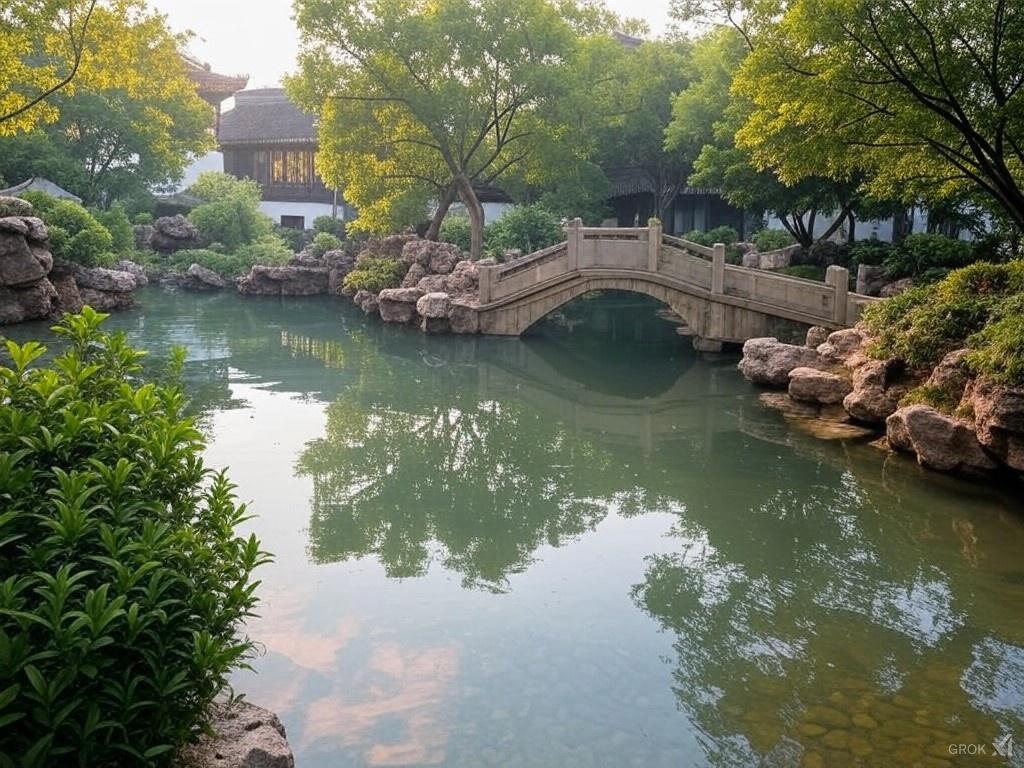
x: 979, y: 307
x: 232, y: 222
x: 75, y: 234
x: 143, y: 218
x: 374, y: 274
x: 214, y: 186
x: 724, y: 235
x: 123, y: 585
x: 526, y: 228
x: 295, y: 239
x: 117, y: 224
x: 324, y: 242
x: 772, y: 239
x: 455, y: 230
x: 926, y: 257
x: 330, y: 225
x: 268, y: 250
x: 806, y: 271
x: 825, y: 253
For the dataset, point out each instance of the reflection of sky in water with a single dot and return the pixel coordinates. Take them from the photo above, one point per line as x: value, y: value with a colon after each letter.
x: 483, y: 560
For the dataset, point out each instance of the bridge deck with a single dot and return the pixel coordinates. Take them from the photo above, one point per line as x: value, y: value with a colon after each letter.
x: 623, y: 256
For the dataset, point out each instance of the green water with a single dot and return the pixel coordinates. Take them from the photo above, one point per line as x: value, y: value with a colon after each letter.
x: 589, y: 548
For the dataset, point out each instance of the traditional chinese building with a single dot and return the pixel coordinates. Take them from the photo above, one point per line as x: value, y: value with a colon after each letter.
x: 213, y: 88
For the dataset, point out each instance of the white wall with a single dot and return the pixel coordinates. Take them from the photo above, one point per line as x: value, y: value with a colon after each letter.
x: 880, y: 228
x: 308, y: 211
x: 211, y: 161
x: 492, y: 211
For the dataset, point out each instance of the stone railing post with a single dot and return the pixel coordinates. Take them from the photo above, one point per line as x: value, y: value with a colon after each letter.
x: 573, y: 236
x: 485, y: 291
x: 653, y: 244
x: 839, y: 278
x: 718, y: 269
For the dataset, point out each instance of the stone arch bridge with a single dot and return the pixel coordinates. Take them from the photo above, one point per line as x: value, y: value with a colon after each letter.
x: 719, y: 302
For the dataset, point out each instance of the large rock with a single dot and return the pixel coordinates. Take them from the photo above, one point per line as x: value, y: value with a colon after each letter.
x: 19, y: 266
x: 245, y: 736
x: 896, y: 287
x: 144, y: 236
x: 878, y: 386
x: 412, y: 278
x: 463, y: 317
x: 998, y: 419
x: 816, y: 336
x: 200, y: 278
x: 464, y: 280
x: 338, y: 263
x: 950, y: 376
x: 105, y: 280
x: 136, y: 270
x: 438, y: 258
x: 870, y: 279
x: 14, y: 206
x: 284, y: 281
x: 32, y: 302
x: 174, y: 233
x: 815, y: 386
x: 433, y: 284
x: 398, y: 305
x: 433, y: 305
x: 845, y: 347
x: 366, y: 301
x: 769, y: 361
x: 940, y: 441
x: 69, y: 298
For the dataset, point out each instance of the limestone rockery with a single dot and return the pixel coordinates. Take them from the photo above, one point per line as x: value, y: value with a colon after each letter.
x: 33, y: 287
x: 834, y: 384
x: 438, y: 293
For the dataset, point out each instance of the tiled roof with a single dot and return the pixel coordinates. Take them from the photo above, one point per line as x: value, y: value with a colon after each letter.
x: 211, y: 83
x: 266, y: 116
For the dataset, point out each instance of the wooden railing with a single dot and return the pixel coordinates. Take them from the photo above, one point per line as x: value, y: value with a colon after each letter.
x: 697, y: 268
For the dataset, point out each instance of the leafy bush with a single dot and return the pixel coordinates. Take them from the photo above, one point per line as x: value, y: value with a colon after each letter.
x: 214, y: 186
x: 455, y: 230
x: 772, y: 239
x: 143, y: 218
x: 268, y: 250
x: 122, y: 583
x: 927, y: 256
x: 75, y: 234
x: 806, y: 271
x: 324, y: 242
x: 295, y: 239
x: 117, y: 224
x: 374, y: 274
x: 526, y: 228
x: 330, y: 225
x: 724, y: 235
x: 979, y: 307
x: 231, y: 221
x: 825, y: 253
x: 871, y: 251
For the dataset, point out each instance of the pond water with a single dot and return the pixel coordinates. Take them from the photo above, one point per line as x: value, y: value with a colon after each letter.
x: 590, y: 547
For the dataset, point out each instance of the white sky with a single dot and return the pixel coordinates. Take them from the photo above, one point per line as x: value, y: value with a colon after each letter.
x: 258, y: 37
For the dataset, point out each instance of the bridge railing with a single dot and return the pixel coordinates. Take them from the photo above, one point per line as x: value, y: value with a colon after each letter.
x: 648, y: 250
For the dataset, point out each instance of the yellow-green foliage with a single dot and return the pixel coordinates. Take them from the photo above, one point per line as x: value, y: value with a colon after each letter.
x: 374, y: 274
x: 979, y: 307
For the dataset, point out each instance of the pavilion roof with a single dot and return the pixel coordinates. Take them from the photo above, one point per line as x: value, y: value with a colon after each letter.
x: 266, y: 116
x: 210, y: 83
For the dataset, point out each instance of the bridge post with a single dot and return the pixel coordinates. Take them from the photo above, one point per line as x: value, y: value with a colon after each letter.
x: 486, y: 282
x: 573, y: 236
x: 653, y: 244
x: 839, y: 278
x: 718, y: 269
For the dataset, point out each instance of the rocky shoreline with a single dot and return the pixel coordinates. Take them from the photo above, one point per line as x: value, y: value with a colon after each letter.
x: 948, y: 418
x: 243, y: 736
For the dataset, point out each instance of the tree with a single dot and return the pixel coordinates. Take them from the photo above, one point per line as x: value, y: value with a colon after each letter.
x: 115, y: 138
x: 926, y: 99
x: 429, y: 99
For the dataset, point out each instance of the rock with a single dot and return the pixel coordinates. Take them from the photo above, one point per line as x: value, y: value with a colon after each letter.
x: 245, y: 736
x: 136, y: 270
x: 877, y: 390
x: 106, y: 301
x: 769, y: 361
x: 464, y: 280
x: 69, y: 299
x: 37, y: 231
x: 816, y: 336
x: 438, y: 258
x: 940, y: 441
x: 144, y: 236
x: 19, y: 267
x: 14, y: 206
x: 339, y: 263
x: 435, y: 325
x: 199, y: 278
x: 870, y: 279
x: 998, y: 419
x: 305, y: 259
x: 951, y: 376
x: 366, y: 301
x: 896, y: 288
x: 284, y: 281
x: 174, y: 233
x: 31, y: 302
x: 412, y: 278
x: 105, y: 280
x: 816, y: 386
x: 398, y: 305
x: 433, y: 305
x: 391, y: 246
x: 845, y: 346
x: 433, y: 284
x: 15, y: 225
x: 463, y: 317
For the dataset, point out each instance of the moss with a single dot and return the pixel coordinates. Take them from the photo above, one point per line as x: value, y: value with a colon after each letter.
x: 936, y: 397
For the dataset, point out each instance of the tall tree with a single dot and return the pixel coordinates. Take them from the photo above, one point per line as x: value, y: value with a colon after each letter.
x: 435, y: 98
x: 925, y: 98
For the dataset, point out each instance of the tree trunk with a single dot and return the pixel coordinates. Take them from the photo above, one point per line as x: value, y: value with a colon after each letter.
x: 902, y: 224
x: 443, y: 204
x: 476, y: 216
x: 851, y: 235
